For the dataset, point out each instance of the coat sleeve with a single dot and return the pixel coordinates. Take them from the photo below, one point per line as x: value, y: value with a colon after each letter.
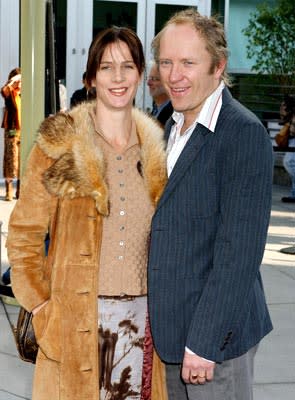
x: 28, y: 226
x: 245, y: 202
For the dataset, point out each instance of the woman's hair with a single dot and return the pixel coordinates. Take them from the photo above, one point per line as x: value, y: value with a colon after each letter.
x: 211, y: 31
x: 14, y: 72
x: 106, y: 37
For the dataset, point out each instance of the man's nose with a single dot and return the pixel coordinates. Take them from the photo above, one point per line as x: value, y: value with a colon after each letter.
x: 175, y: 72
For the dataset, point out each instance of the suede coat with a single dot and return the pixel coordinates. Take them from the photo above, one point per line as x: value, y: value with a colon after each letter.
x: 64, y: 191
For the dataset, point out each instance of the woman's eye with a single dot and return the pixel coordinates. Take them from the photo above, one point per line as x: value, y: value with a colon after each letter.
x: 129, y: 66
x: 105, y: 67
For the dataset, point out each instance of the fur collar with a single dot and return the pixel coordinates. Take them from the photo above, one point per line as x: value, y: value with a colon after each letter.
x: 79, y: 170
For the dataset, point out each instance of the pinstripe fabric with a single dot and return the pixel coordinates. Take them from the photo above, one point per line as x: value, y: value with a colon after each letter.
x: 207, y: 242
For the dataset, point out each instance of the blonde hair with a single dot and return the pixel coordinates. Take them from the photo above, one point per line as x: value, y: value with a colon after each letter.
x: 209, y: 28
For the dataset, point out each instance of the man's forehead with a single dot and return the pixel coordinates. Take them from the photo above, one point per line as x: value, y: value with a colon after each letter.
x: 181, y: 28
x: 184, y: 33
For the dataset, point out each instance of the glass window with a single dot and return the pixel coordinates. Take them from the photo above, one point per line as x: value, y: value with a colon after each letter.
x: 108, y: 13
x: 164, y: 12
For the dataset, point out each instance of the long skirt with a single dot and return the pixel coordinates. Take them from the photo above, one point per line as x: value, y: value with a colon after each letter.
x: 125, y: 348
x: 11, y: 159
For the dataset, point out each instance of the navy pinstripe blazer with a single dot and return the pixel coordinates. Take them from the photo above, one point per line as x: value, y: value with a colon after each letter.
x: 207, y: 241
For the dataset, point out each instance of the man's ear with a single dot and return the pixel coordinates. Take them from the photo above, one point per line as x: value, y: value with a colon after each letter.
x: 220, y: 68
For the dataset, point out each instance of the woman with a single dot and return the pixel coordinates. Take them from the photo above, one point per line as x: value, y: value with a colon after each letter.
x: 11, y: 124
x: 100, y: 170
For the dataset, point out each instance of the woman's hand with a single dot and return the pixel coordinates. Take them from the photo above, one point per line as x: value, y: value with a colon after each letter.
x: 38, y: 308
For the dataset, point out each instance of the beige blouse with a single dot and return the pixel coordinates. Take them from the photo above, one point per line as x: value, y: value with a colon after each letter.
x: 124, y: 247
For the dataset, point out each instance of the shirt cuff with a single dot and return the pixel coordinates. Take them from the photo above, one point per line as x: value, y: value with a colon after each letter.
x: 191, y: 352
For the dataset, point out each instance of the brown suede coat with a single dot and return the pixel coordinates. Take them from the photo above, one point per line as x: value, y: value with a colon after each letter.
x: 64, y: 190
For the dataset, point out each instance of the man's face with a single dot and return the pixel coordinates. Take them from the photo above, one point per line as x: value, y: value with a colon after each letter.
x: 154, y: 82
x: 185, y: 67
x: 283, y: 111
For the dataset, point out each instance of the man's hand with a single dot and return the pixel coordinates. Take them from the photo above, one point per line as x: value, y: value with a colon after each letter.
x: 196, y: 370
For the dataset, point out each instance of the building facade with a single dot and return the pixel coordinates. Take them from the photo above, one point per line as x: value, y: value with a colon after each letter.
x: 77, y: 22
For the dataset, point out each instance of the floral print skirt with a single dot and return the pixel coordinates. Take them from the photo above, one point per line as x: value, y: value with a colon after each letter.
x: 11, y: 158
x: 125, y: 348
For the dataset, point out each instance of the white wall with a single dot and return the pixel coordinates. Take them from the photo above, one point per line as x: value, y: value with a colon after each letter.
x: 9, y: 51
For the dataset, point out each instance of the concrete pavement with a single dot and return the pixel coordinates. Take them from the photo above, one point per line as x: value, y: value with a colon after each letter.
x: 275, y: 360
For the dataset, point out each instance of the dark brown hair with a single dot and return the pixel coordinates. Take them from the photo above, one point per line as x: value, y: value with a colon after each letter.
x: 13, y: 72
x: 210, y: 29
x: 107, y: 37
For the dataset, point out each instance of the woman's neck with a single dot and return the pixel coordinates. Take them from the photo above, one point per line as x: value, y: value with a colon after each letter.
x: 114, y: 126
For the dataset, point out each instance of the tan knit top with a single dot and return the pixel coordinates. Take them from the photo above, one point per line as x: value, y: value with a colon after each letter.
x: 124, y: 247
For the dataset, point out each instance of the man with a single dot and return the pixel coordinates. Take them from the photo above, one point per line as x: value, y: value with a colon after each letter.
x: 206, y: 300
x: 162, y: 108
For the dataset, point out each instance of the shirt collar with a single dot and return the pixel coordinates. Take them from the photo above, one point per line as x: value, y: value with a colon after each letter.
x: 209, y: 113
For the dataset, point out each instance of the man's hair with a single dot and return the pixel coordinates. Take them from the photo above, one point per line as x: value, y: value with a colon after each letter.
x: 108, y: 36
x: 210, y: 29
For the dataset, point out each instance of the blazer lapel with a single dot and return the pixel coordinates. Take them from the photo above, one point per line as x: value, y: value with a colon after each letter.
x: 197, y: 140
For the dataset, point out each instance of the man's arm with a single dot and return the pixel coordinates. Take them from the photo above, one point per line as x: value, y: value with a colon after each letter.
x: 245, y: 203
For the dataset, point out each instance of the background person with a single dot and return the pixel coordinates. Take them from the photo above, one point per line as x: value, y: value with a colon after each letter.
x: 62, y: 92
x: 82, y: 94
x: 99, y: 169
x: 287, y: 115
x: 162, y: 108
x: 206, y: 300
x: 11, y: 92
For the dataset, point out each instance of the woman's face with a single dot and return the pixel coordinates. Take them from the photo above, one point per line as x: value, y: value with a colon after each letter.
x: 117, y: 77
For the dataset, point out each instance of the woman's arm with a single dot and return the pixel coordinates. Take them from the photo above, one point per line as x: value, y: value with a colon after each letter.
x: 28, y: 226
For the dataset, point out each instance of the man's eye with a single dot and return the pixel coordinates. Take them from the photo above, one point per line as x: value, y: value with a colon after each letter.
x: 188, y: 62
x: 164, y: 63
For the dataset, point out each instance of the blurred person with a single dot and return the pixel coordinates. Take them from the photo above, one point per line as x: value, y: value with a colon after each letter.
x: 206, y: 300
x: 82, y: 94
x: 287, y: 109
x: 99, y: 169
x: 287, y: 115
x: 162, y: 108
x: 63, y: 96
x: 11, y: 92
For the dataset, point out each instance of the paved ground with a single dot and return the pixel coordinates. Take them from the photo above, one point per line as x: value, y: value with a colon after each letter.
x: 275, y: 361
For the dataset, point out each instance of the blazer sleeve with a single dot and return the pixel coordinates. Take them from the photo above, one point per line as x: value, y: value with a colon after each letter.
x: 244, y: 187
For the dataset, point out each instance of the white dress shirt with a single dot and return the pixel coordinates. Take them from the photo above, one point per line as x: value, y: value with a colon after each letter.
x: 207, y: 117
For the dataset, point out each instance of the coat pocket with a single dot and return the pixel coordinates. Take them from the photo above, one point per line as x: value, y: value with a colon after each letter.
x: 47, y: 330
